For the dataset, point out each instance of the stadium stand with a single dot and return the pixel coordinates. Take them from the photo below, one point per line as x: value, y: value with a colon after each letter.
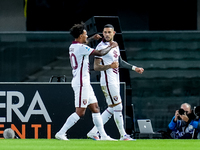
x: 171, y: 77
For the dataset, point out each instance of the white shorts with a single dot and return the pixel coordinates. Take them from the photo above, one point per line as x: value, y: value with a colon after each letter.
x: 84, y: 96
x: 112, y: 94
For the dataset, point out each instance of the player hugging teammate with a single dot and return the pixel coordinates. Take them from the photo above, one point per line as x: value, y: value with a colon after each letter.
x: 107, y: 62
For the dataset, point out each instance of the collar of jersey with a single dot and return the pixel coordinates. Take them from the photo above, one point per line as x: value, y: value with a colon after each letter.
x: 105, y: 42
x: 75, y: 42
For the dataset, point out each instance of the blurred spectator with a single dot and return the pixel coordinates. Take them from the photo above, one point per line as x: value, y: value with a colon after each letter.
x: 184, y: 124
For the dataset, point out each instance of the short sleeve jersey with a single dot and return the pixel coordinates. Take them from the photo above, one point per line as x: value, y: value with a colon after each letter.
x: 110, y: 76
x: 79, y: 57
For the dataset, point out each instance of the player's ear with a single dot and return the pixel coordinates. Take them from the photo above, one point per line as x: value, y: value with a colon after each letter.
x: 114, y: 32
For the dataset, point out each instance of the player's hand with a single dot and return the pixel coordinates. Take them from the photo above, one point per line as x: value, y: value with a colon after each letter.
x: 113, y: 44
x: 139, y: 70
x: 115, y: 64
x: 96, y: 37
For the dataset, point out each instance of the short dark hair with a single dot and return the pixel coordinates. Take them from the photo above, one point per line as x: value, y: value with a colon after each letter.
x: 109, y: 26
x: 77, y: 30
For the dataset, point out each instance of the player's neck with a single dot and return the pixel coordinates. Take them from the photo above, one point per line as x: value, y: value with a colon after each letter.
x: 78, y: 40
x: 107, y: 41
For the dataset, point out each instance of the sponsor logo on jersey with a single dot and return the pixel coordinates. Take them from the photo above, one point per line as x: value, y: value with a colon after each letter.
x: 116, y: 70
x: 115, y: 54
x: 87, y: 48
x: 71, y: 49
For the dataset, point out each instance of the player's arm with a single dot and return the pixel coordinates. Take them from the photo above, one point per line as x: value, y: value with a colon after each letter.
x: 104, y: 51
x: 94, y: 37
x: 126, y: 65
x: 99, y: 67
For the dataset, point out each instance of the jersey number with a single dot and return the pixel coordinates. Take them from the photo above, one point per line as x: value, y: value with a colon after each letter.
x: 73, y: 61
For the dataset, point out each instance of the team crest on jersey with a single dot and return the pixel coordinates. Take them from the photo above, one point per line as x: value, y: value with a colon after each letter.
x: 115, y: 98
x: 84, y: 101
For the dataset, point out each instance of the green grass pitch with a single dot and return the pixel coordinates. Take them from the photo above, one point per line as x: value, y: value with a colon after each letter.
x: 87, y: 144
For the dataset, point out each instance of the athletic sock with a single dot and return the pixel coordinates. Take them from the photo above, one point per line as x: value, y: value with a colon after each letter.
x: 118, y: 117
x: 106, y: 115
x: 99, y: 123
x: 71, y: 120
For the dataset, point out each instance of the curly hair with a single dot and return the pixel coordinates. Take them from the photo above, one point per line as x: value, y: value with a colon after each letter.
x: 77, y: 30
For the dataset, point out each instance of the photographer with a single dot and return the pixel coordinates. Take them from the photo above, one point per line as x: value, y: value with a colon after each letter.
x: 184, y: 124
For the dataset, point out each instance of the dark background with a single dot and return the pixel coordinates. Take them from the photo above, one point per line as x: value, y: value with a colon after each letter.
x: 60, y: 15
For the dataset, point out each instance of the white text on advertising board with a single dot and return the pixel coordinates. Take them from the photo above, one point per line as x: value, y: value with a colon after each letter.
x: 11, y: 107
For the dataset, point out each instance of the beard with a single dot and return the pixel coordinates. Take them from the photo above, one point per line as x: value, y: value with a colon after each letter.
x: 107, y: 39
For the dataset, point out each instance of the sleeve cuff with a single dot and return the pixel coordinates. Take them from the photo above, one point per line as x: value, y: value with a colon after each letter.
x: 133, y: 68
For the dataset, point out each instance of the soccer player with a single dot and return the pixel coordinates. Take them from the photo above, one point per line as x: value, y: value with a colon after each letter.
x: 110, y: 83
x: 84, y: 95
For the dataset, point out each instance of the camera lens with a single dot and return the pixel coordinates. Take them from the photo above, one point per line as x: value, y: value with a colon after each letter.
x: 181, y: 111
